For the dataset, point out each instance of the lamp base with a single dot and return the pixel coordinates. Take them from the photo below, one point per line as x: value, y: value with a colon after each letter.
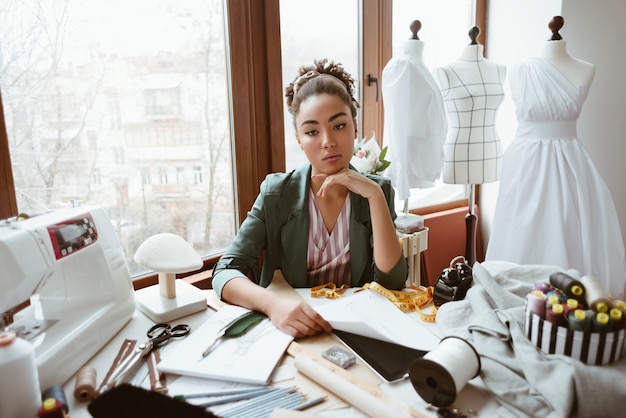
x: 188, y: 300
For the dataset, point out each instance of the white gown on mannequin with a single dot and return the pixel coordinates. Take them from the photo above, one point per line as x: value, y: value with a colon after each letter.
x: 553, y: 206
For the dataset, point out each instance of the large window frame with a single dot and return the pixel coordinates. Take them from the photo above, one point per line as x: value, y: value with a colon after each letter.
x: 257, y: 96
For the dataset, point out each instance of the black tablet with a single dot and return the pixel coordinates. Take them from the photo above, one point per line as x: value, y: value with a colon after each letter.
x: 391, y: 361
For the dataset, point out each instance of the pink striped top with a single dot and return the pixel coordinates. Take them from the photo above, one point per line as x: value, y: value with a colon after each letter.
x: 328, y: 256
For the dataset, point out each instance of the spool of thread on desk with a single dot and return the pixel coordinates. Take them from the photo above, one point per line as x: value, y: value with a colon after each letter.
x: 579, y: 321
x: 619, y: 319
x: 536, y: 301
x: 439, y: 376
x: 555, y: 315
x: 559, y: 294
x: 570, y: 306
x: 57, y: 392
x: 20, y: 395
x: 568, y: 284
x: 51, y: 408
x: 85, y: 387
x: 542, y: 286
x: 602, y: 322
x: 597, y: 298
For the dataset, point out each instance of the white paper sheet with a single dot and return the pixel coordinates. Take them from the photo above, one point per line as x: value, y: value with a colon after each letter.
x: 250, y: 358
x: 372, y: 315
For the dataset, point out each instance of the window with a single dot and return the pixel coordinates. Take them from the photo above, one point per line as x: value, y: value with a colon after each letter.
x: 102, y: 93
x: 341, y: 44
x: 218, y: 101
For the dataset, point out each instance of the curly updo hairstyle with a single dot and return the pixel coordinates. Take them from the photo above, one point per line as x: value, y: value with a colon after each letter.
x: 323, y: 76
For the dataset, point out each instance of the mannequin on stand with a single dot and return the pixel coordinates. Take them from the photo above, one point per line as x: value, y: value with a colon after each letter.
x: 415, y: 122
x: 472, y: 90
x: 553, y: 207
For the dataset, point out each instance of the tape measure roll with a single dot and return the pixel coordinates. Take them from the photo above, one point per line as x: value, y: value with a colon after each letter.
x: 439, y: 376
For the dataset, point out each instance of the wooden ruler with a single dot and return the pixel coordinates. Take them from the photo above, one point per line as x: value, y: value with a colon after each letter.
x: 296, y: 349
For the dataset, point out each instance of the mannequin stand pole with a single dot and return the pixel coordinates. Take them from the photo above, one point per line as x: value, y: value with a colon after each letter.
x: 470, y: 229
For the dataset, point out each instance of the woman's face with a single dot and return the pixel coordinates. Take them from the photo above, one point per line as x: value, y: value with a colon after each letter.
x: 326, y: 131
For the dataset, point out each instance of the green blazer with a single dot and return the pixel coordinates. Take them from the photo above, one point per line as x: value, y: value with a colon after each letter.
x: 278, y: 224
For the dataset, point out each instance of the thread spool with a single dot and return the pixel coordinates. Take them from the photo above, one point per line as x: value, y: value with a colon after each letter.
x: 560, y: 295
x: 85, y: 386
x: 602, y: 322
x: 51, y: 408
x: 579, y: 321
x: 536, y: 301
x: 555, y: 315
x: 571, y: 305
x: 441, y: 374
x: 56, y: 392
x: 542, y: 286
x: 618, y: 318
x: 19, y: 379
x: 597, y: 298
x: 572, y: 287
x: 551, y: 300
x: 619, y: 304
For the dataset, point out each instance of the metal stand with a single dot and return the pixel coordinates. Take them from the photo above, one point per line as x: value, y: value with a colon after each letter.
x: 470, y: 229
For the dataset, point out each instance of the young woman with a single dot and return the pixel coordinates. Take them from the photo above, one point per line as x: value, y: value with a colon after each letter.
x: 324, y: 222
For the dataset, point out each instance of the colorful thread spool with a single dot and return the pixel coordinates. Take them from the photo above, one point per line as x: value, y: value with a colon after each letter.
x: 19, y: 378
x: 619, y: 304
x: 572, y: 287
x: 551, y: 300
x: 56, y: 392
x: 560, y: 295
x: 602, y: 322
x: 571, y: 305
x: 536, y: 301
x: 51, y: 408
x: 555, y: 315
x: 579, y: 321
x: 595, y: 295
x: 542, y: 286
x: 618, y: 317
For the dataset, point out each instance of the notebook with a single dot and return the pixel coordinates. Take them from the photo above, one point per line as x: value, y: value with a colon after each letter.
x: 250, y: 358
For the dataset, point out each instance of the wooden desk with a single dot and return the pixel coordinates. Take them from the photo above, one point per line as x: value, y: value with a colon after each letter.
x: 473, y: 397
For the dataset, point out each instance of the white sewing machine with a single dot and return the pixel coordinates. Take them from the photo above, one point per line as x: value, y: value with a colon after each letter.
x: 64, y: 286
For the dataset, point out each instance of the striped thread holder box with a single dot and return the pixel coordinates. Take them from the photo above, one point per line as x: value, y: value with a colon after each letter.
x: 594, y: 348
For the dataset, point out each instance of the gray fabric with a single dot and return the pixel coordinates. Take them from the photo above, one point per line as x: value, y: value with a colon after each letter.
x: 525, y: 381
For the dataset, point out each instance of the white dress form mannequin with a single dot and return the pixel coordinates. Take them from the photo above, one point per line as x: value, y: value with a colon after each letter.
x: 472, y: 90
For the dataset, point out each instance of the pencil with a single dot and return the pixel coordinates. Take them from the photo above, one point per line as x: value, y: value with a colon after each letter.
x: 310, y: 403
x: 219, y: 392
x: 253, y: 403
x: 286, y: 402
x: 236, y: 397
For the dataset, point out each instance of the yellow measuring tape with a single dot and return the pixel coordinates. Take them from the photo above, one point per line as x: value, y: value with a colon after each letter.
x: 328, y: 290
x: 411, y: 300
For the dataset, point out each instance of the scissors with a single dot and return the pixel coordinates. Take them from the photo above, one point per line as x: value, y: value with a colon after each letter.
x: 158, y: 335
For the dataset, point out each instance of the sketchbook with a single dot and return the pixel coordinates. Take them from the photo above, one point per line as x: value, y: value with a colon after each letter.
x: 372, y: 315
x: 250, y: 358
